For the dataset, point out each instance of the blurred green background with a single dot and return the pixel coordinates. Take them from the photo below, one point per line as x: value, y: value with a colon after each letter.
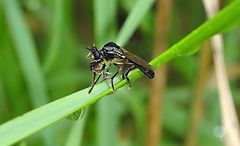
x: 43, y: 58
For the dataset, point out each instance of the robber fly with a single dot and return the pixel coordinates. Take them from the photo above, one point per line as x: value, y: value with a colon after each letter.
x: 112, y: 54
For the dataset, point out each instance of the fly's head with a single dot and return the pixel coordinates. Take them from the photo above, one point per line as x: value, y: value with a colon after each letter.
x: 94, y: 53
x: 96, y: 59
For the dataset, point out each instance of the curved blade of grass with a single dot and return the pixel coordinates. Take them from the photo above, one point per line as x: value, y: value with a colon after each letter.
x: 104, y: 20
x: 133, y: 20
x: 187, y: 45
x: 56, y: 36
x: 26, y: 52
x: 12, y: 83
x: 48, y: 114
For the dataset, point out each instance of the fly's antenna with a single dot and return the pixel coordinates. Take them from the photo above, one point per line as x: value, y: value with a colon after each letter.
x: 90, y: 53
x: 88, y: 48
x: 94, y: 46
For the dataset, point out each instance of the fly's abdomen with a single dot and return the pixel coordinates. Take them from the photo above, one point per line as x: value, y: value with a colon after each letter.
x: 147, y: 71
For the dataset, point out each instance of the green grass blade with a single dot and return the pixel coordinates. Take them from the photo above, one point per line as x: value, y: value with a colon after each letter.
x: 26, y: 52
x: 48, y: 114
x: 137, y: 109
x: 133, y: 20
x: 187, y: 45
x: 11, y: 77
x: 27, y: 55
x: 104, y: 20
x: 3, y: 104
x: 56, y: 36
x: 107, y: 121
x: 10, y: 74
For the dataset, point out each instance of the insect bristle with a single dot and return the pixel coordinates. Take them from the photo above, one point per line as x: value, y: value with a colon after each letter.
x: 88, y: 48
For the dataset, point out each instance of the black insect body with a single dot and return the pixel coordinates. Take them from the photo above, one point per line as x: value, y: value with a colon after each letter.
x: 112, y: 54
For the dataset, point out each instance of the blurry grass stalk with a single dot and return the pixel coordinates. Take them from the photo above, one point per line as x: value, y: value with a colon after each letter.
x: 10, y: 76
x: 162, y: 21
x: 26, y: 52
x: 197, y: 100
x: 136, y: 108
x: 133, y: 20
x: 4, y: 110
x: 229, y: 116
x: 104, y: 21
x: 225, y: 19
x: 59, y: 109
x: 55, y: 36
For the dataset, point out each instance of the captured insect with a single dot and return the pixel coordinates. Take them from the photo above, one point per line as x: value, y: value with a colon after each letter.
x: 113, y: 54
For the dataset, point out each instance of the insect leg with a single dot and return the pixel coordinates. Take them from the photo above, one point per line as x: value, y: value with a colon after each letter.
x: 94, y: 76
x: 113, y: 78
x: 126, y: 69
x: 125, y: 76
x: 94, y: 81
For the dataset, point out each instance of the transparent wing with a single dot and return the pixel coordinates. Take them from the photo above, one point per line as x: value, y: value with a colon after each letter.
x: 139, y: 63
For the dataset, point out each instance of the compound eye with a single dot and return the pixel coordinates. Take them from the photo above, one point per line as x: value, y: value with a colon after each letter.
x: 95, y: 53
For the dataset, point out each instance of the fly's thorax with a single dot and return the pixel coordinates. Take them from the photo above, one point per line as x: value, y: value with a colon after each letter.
x: 111, y: 51
x: 115, y: 61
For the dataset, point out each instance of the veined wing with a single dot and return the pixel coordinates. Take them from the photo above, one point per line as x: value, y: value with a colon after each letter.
x: 139, y: 63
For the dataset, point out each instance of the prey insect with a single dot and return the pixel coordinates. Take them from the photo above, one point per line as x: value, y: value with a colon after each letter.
x: 113, y: 54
